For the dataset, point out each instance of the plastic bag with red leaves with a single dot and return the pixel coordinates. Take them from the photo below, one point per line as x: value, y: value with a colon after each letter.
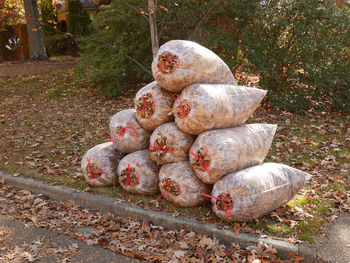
x: 181, y: 186
x: 138, y: 174
x: 202, y: 107
x: 168, y: 144
x: 255, y: 191
x: 153, y: 105
x: 99, y: 164
x: 126, y: 133
x: 180, y: 63
x: 218, y: 152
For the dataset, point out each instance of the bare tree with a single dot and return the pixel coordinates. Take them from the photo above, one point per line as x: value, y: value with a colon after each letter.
x: 36, y: 42
x: 153, y: 25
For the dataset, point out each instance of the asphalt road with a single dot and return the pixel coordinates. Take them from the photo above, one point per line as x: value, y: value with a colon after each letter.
x: 22, y: 243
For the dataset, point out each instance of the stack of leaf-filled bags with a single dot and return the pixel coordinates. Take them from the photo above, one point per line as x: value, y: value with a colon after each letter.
x: 186, y: 137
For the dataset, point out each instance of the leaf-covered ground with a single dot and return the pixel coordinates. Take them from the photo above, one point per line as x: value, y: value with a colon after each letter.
x: 126, y: 236
x: 49, y: 121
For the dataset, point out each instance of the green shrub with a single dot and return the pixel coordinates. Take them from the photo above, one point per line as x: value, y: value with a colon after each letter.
x: 299, y: 48
x: 48, y: 16
x: 117, y: 28
x: 218, y: 25
x: 293, y: 44
x: 78, y: 18
x: 61, y: 44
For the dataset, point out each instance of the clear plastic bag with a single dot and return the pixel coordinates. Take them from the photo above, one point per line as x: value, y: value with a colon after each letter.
x: 181, y: 186
x: 218, y: 152
x: 126, y: 133
x: 99, y: 165
x: 180, y: 63
x: 153, y: 105
x: 202, y: 107
x: 255, y: 191
x: 138, y: 174
x: 168, y: 144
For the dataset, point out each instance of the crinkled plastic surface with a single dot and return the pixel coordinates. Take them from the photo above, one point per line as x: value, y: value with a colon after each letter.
x: 181, y: 185
x: 255, y: 191
x: 138, y: 174
x: 180, y: 63
x: 99, y: 164
x: 168, y: 144
x: 202, y: 107
x: 153, y: 105
x: 218, y: 152
x: 126, y: 133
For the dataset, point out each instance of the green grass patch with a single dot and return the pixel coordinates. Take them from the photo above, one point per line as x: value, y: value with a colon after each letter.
x: 280, y: 229
x: 308, y: 230
x: 337, y: 186
x: 298, y: 200
x: 56, y: 92
x: 30, y: 80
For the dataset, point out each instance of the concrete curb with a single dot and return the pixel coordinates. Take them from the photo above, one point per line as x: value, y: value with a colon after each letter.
x: 107, y: 204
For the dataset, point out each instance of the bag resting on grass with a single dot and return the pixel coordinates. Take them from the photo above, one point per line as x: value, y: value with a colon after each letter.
x: 181, y: 185
x: 153, y: 105
x: 202, y: 107
x: 99, y: 164
x: 138, y: 174
x: 218, y: 152
x: 180, y: 63
x: 126, y: 133
x: 255, y: 191
x: 168, y: 144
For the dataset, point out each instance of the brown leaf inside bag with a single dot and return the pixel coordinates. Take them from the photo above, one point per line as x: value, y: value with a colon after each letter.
x: 93, y: 171
x: 159, y: 146
x: 204, y: 157
x: 129, y: 177
x: 183, y: 109
x: 171, y: 186
x: 224, y: 202
x: 118, y: 130
x: 145, y: 105
x: 167, y: 62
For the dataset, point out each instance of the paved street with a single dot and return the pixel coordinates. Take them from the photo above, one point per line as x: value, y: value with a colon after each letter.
x: 21, y: 243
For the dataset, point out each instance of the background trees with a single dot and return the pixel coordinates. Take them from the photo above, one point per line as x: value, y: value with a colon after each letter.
x: 48, y: 17
x: 78, y: 18
x: 299, y: 48
x: 120, y: 40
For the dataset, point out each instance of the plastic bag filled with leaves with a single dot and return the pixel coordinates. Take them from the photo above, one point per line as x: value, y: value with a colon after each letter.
x: 180, y: 63
x: 202, y: 107
x: 99, y: 164
x: 126, y: 133
x: 138, y: 174
x: 153, y: 105
x: 255, y: 191
x: 218, y: 152
x: 181, y: 185
x: 168, y: 144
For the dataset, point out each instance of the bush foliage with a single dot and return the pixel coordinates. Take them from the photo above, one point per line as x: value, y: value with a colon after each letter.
x: 61, y: 44
x: 49, y: 17
x: 301, y: 51
x: 299, y: 48
x: 78, y: 18
x: 119, y: 32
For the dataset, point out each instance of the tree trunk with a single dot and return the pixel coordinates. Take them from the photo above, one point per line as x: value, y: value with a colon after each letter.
x: 36, y: 42
x: 153, y: 26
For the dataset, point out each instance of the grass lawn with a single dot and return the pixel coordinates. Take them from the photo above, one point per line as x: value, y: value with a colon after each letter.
x: 47, y: 123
